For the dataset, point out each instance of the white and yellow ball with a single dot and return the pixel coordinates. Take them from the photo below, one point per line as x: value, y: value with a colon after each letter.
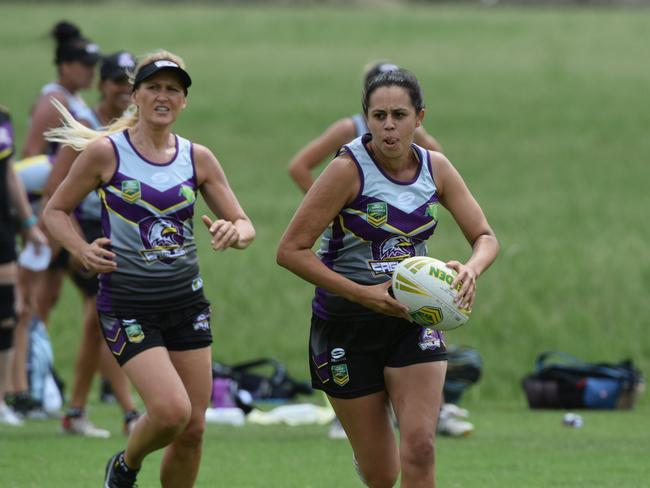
x: 423, y: 284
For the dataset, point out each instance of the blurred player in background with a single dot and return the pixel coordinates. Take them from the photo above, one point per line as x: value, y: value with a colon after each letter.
x: 12, y: 196
x: 115, y: 97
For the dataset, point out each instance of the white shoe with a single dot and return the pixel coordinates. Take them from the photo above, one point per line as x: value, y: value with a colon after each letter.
x: 8, y: 416
x: 83, y: 426
x: 452, y: 426
x: 454, y: 410
x: 336, y: 430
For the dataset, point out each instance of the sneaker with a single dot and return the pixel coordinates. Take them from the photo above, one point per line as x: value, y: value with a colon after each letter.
x: 454, y: 410
x: 82, y: 426
x: 130, y: 419
x: 452, y: 426
x: 118, y: 474
x: 336, y: 430
x: 8, y: 416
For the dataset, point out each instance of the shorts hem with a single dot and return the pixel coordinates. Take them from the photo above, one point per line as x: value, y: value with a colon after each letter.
x: 349, y: 395
x: 410, y: 362
x: 188, y: 346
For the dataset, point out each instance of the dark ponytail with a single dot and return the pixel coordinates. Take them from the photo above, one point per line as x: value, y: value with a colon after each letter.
x: 399, y: 77
x: 71, y: 45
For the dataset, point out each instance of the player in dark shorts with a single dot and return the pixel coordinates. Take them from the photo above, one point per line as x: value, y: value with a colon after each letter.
x: 381, y: 195
x: 115, y: 92
x: 154, y: 315
x: 12, y: 196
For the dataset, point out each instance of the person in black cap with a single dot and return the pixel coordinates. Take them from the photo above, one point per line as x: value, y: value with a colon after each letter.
x: 75, y: 58
x: 115, y: 97
x: 152, y: 309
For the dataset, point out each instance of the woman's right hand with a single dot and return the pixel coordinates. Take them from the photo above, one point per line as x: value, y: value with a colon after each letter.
x: 377, y: 298
x: 96, y: 258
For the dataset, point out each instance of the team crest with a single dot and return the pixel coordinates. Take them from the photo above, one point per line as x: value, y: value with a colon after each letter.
x: 163, y: 239
x: 340, y: 374
x: 377, y: 213
x: 389, y: 253
x: 131, y: 191
x: 432, y: 210
x: 429, y: 339
x: 133, y: 331
x: 187, y: 193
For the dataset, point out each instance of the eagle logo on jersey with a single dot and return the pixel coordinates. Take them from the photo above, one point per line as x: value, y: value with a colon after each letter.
x: 163, y: 239
x: 390, y: 252
x: 377, y: 213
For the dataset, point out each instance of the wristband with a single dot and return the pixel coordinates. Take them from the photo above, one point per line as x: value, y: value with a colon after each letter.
x: 29, y: 221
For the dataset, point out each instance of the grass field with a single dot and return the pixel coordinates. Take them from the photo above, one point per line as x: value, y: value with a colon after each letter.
x: 545, y: 114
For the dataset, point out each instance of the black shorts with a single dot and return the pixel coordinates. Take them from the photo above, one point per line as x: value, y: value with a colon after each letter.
x: 7, y: 316
x: 347, y: 359
x: 7, y: 250
x: 178, y: 330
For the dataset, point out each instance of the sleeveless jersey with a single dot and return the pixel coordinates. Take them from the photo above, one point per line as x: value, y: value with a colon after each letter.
x: 33, y: 173
x: 147, y: 211
x: 76, y: 106
x: 387, y: 222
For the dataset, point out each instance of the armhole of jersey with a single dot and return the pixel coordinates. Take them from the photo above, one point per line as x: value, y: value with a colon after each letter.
x: 430, y: 166
x: 194, y: 178
x: 117, y: 161
x: 359, y: 169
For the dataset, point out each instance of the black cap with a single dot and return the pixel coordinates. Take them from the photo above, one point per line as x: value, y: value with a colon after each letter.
x: 152, y: 68
x: 78, y: 50
x: 117, y: 66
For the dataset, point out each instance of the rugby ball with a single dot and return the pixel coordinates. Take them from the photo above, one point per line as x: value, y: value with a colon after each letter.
x: 423, y: 284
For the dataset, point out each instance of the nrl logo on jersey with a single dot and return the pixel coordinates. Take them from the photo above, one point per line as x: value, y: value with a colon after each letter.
x: 377, y: 213
x: 131, y: 191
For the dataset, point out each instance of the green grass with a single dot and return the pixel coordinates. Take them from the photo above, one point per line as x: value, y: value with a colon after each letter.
x: 512, y: 447
x: 544, y: 113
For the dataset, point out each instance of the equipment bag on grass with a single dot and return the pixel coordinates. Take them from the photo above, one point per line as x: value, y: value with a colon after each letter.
x: 265, y: 379
x: 561, y: 380
x: 464, y: 366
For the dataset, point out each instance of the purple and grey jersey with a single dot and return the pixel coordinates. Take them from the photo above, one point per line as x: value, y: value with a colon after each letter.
x: 147, y: 211
x: 387, y: 222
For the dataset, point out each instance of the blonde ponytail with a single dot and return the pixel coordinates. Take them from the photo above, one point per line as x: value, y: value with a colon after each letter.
x: 76, y: 135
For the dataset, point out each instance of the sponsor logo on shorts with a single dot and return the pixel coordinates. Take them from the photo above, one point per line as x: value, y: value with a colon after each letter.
x: 429, y: 339
x: 202, y: 322
x: 340, y: 374
x: 133, y: 331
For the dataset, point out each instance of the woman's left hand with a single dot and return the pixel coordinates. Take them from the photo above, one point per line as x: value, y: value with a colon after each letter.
x: 467, y: 278
x: 224, y: 233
